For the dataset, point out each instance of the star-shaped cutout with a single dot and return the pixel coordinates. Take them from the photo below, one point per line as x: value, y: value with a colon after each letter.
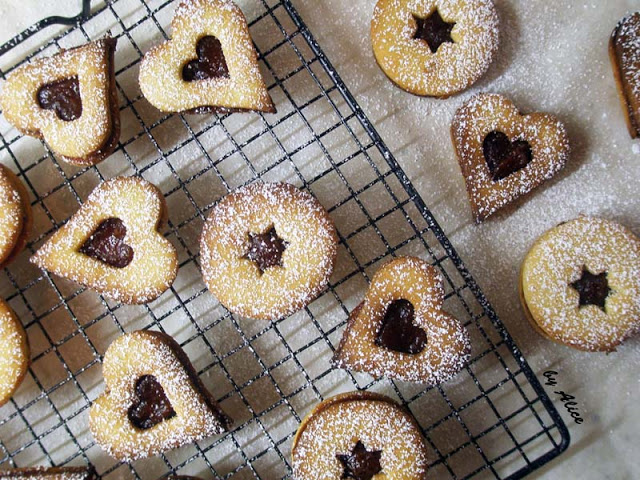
x: 433, y: 30
x: 266, y: 249
x: 360, y: 464
x: 593, y: 289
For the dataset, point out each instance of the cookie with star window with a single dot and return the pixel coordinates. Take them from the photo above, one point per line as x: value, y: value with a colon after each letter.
x: 580, y: 284
x: 268, y: 250
x: 361, y: 436
x: 434, y: 48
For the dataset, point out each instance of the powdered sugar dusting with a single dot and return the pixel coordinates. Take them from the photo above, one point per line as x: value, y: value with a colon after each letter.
x: 556, y: 260
x: 14, y: 354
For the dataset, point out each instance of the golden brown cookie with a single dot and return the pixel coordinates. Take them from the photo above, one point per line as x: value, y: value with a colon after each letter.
x: 358, y: 435
x: 434, y: 47
x: 580, y: 284
x: 16, y: 218
x: 153, y: 400
x: 268, y: 250
x: 69, y: 100
x: 113, y: 244
x: 504, y: 154
x: 49, y: 473
x: 14, y: 354
x: 210, y: 64
x: 624, y: 52
x: 400, y: 330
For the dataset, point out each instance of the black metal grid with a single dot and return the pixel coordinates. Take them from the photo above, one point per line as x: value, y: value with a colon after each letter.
x: 492, y: 421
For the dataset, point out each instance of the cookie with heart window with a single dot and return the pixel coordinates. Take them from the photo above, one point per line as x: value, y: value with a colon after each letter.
x: 49, y: 473
x: 210, y: 64
x: 359, y: 435
x: 14, y: 354
x: 400, y: 330
x: 153, y: 401
x: 268, y: 250
x: 624, y: 52
x: 16, y: 218
x: 434, y: 48
x: 113, y: 243
x: 504, y: 154
x: 69, y: 100
x: 580, y: 284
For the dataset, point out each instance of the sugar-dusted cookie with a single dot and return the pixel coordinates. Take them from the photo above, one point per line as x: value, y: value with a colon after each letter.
x: 358, y: 435
x: 580, y: 284
x: 268, y: 250
x: 153, y: 400
x: 69, y: 100
x: 16, y: 218
x: 624, y: 52
x: 434, y: 47
x: 113, y: 244
x: 49, y: 473
x: 210, y: 64
x: 400, y: 330
x: 14, y: 352
x: 504, y: 154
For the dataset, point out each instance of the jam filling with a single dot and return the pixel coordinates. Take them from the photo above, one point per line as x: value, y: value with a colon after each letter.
x: 593, y: 289
x: 106, y: 244
x: 433, y: 30
x: 266, y: 249
x: 210, y: 62
x: 151, y: 406
x: 503, y: 156
x: 398, y: 332
x: 360, y: 464
x: 63, y: 97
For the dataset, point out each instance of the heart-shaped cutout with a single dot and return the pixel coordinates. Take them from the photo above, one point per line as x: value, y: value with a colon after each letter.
x: 63, y: 97
x: 107, y: 244
x: 400, y: 330
x: 153, y: 401
x: 224, y: 75
x: 133, y: 264
x: 69, y: 100
x: 210, y: 62
x: 504, y: 154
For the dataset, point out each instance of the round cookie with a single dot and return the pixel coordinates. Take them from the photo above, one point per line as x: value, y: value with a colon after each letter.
x: 434, y: 47
x: 268, y: 250
x: 14, y: 354
x: 15, y: 216
x: 580, y: 284
x: 358, y: 435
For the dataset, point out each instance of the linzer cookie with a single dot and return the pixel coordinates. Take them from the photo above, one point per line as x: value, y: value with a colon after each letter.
x: 434, y: 47
x: 400, y: 330
x: 153, y: 400
x: 113, y: 244
x: 14, y: 354
x: 624, y: 51
x: 268, y: 250
x: 358, y: 435
x: 15, y: 216
x: 580, y: 284
x: 49, y: 473
x: 69, y: 100
x: 210, y: 64
x: 504, y: 154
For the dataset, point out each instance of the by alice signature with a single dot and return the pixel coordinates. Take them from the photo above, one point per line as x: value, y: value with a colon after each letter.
x: 567, y: 400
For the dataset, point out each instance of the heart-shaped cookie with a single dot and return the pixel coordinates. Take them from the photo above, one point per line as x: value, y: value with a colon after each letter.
x: 69, y: 100
x: 153, y: 400
x: 210, y: 64
x: 504, y: 154
x: 400, y: 330
x: 52, y: 473
x: 624, y: 52
x: 112, y: 243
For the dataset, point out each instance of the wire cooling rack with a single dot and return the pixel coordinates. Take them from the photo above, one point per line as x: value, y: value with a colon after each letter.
x: 492, y: 421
